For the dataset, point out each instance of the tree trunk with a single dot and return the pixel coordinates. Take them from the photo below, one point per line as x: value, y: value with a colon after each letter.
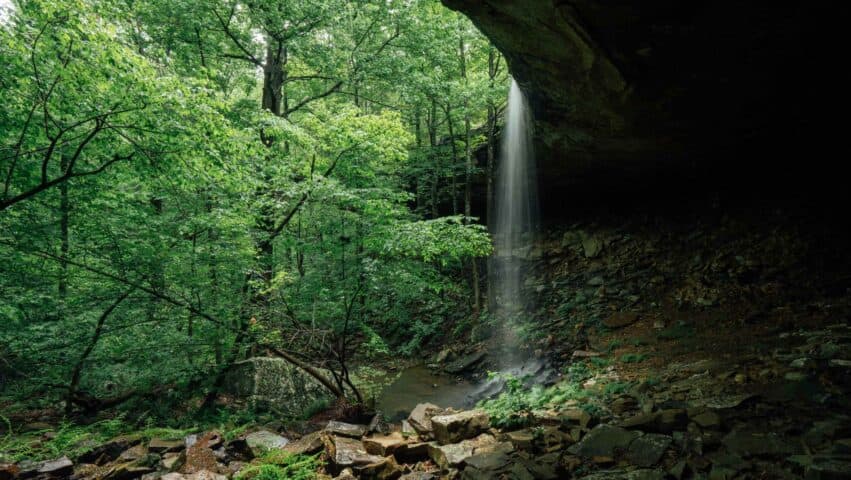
x: 273, y: 77
x: 490, y: 168
x: 64, y: 242
x: 74, y: 383
x: 432, y: 137
x: 453, y: 160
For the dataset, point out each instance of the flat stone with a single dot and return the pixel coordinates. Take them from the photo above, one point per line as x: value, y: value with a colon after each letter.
x: 172, y: 476
x: 420, y: 417
x: 577, y: 416
x: 604, y: 440
x: 206, y: 475
x: 385, y: 469
x: 671, y: 419
x: 173, y: 461
x: 620, y: 319
x: 592, y: 246
x: 262, y: 441
x: 348, y: 452
x: 454, y: 454
x: 585, y: 354
x: 647, y: 450
x: 707, y: 420
x: 544, y: 467
x: 159, y: 445
x: 726, y: 401
x: 641, y: 420
x: 465, y: 363
x: 521, y: 439
x: 346, y: 429
x: 824, y: 467
x: 419, y: 476
x: 133, y: 453
x: 310, y: 443
x: 626, y: 475
x: 489, y: 460
x: 757, y: 444
x: 60, y: 467
x: 459, y: 426
x: 384, y: 444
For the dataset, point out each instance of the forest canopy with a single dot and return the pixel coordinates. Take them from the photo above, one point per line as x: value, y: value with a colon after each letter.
x: 184, y: 184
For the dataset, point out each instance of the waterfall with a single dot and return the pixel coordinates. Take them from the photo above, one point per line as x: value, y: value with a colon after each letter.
x: 515, y: 207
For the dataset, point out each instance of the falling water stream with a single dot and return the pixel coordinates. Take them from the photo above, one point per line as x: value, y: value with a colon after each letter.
x: 516, y: 208
x: 515, y: 221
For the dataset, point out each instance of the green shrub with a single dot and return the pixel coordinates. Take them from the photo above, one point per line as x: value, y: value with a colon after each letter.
x: 67, y: 439
x: 280, y: 465
x: 681, y: 330
x: 600, y: 362
x: 512, y: 408
x: 633, y: 358
x: 617, y: 388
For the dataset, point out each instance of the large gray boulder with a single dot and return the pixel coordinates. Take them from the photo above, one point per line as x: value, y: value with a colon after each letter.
x: 348, y: 452
x: 604, y: 441
x: 273, y: 384
x: 459, y: 426
x: 420, y: 418
x: 263, y: 440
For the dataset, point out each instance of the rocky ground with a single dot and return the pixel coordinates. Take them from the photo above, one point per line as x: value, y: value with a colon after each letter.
x: 668, y: 348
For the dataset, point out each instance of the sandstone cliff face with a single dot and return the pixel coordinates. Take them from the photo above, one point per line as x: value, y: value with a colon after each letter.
x: 624, y: 90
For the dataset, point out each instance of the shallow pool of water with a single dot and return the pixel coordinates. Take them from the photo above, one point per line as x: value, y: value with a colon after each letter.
x: 420, y: 384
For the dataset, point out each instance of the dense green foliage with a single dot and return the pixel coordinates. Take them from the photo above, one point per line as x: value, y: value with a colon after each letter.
x: 187, y: 183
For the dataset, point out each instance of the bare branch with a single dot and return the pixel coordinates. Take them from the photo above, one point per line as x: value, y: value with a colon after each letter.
x: 334, y: 88
x: 226, y: 28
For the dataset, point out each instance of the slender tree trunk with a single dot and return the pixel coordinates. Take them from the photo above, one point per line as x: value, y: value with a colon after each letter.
x: 490, y: 168
x: 418, y: 134
x: 468, y: 168
x: 453, y: 161
x: 432, y: 137
x: 64, y: 241
x: 158, y: 274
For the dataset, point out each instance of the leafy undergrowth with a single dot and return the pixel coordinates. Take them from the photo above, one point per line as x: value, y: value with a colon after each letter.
x: 72, y: 440
x: 279, y: 465
x: 514, y: 406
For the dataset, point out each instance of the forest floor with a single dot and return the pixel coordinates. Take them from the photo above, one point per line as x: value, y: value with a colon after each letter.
x: 705, y: 347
